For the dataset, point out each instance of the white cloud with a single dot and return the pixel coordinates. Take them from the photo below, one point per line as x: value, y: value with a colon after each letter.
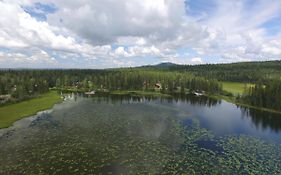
x: 272, y: 48
x: 19, y: 30
x: 197, y: 60
x: 120, y: 51
x: 107, y: 21
x: 38, y: 58
x: 117, y: 32
x: 236, y: 31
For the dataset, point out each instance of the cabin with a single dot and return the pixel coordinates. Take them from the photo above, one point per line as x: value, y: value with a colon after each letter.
x: 157, y: 86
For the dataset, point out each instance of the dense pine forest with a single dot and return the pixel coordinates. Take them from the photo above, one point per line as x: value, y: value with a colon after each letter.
x: 236, y: 72
x: 18, y: 85
x: 267, y: 95
x: 265, y: 75
x: 23, y: 84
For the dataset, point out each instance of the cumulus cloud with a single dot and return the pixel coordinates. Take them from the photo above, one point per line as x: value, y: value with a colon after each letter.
x: 38, y: 58
x: 197, y: 60
x: 107, y: 21
x: 272, y: 48
x: 237, y: 32
x: 19, y: 29
x: 116, y: 33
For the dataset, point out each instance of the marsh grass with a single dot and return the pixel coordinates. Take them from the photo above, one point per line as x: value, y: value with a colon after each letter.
x: 13, y: 112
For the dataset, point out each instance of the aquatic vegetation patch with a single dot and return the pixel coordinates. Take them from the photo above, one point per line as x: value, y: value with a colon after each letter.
x: 210, y: 145
x: 130, y: 138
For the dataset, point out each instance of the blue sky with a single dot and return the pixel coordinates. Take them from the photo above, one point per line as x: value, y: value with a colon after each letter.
x: 103, y: 34
x: 39, y: 10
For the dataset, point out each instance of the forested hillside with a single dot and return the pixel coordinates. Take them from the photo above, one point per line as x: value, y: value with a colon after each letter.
x: 17, y: 85
x: 21, y: 84
x: 237, y: 72
x: 266, y: 75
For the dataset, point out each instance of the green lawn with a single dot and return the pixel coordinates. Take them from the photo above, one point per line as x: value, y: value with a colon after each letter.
x: 11, y: 113
x: 234, y: 87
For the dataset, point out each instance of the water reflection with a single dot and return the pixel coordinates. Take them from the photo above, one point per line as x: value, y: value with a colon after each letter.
x: 195, y: 100
x: 191, y: 99
x: 138, y: 135
x: 214, y: 114
x: 263, y: 119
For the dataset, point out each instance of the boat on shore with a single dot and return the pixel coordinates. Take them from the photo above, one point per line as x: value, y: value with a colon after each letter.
x: 90, y: 93
x: 198, y: 93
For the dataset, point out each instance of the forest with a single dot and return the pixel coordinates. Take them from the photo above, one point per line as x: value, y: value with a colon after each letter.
x: 17, y: 85
x: 24, y: 84
x: 264, y: 94
x: 266, y: 75
x: 235, y: 72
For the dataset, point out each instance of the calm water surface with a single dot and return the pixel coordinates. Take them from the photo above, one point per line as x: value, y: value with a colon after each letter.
x: 130, y: 135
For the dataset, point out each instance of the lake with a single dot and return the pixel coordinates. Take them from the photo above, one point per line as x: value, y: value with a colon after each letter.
x: 133, y: 135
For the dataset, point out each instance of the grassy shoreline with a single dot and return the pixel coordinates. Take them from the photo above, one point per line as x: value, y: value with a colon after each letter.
x: 13, y: 112
x: 237, y: 88
x: 219, y: 97
x: 232, y: 87
x: 231, y: 100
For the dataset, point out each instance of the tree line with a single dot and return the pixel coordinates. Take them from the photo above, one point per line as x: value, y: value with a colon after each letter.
x: 22, y: 84
x: 236, y: 72
x: 266, y: 75
x: 264, y: 94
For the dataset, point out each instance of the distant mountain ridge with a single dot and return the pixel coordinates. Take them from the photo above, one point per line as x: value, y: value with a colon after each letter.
x: 240, y: 71
x: 165, y: 65
x: 254, y: 63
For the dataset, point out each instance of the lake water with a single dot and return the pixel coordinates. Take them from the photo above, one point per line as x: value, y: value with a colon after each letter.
x: 131, y: 135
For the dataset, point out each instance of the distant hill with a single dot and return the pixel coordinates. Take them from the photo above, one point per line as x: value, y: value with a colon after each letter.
x: 165, y: 65
x: 276, y: 64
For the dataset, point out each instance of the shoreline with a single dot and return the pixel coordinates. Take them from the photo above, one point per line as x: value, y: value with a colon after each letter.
x: 16, y: 121
x: 140, y: 93
x: 159, y: 94
x: 23, y: 122
x: 12, y: 113
x: 215, y: 96
x: 229, y: 100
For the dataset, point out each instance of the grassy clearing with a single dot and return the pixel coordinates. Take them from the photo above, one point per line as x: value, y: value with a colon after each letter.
x: 238, y: 88
x: 234, y: 87
x: 11, y: 113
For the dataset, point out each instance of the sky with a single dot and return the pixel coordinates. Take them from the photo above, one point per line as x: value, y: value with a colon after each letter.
x: 126, y: 33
